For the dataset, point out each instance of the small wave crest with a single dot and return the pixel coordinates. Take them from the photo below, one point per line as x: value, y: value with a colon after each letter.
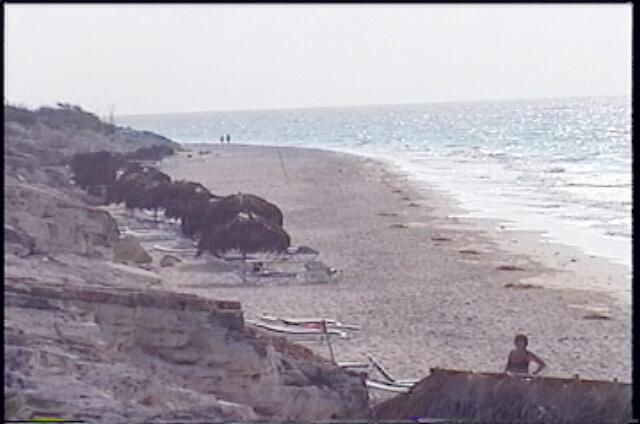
x: 598, y: 185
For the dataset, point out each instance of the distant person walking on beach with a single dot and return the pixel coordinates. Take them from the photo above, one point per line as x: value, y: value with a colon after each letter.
x: 520, y: 358
x: 221, y: 139
x: 228, y: 139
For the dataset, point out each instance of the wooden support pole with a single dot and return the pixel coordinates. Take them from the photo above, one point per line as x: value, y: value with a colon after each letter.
x: 381, y: 370
x: 328, y: 337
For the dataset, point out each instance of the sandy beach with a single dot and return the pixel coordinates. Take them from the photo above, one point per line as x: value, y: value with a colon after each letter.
x: 428, y: 289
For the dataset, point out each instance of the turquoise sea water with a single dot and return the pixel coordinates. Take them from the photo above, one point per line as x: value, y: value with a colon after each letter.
x: 561, y: 166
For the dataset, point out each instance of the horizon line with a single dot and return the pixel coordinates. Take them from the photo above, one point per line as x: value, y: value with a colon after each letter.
x: 284, y: 108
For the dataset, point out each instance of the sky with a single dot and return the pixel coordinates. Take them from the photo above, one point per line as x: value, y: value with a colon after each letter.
x: 142, y: 59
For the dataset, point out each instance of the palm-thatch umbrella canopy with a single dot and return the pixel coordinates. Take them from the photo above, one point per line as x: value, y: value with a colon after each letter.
x: 153, y: 176
x: 139, y: 188
x: 192, y: 215
x: 155, y: 152
x: 181, y: 197
x: 226, y: 208
x: 120, y: 189
x: 247, y: 233
x: 94, y: 168
x: 132, y: 168
x: 151, y: 196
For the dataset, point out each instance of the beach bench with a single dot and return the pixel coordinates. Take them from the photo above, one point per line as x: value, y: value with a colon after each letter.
x: 407, y: 383
x: 273, y: 274
x: 297, y: 330
x: 159, y: 248
x: 305, y: 321
x: 150, y: 235
x: 388, y: 387
x: 353, y: 365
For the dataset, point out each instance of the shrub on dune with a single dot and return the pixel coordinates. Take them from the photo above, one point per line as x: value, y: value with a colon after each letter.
x: 20, y: 115
x: 65, y: 116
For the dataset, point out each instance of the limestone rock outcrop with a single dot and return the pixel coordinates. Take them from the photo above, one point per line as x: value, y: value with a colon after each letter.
x: 169, y: 260
x: 56, y: 222
x: 129, y: 354
x: 128, y: 249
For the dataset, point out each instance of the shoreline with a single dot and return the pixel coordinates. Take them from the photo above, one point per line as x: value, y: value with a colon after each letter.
x: 386, y: 267
x: 553, y: 255
x: 588, y: 241
x: 591, y: 243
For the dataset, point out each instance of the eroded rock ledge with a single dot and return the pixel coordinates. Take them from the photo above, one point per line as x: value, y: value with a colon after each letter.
x: 124, y: 354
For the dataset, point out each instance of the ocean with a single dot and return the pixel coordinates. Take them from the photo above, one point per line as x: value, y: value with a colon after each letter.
x: 561, y: 167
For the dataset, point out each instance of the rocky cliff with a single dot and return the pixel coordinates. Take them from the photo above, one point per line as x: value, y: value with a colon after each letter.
x: 40, y: 200
x: 93, y: 352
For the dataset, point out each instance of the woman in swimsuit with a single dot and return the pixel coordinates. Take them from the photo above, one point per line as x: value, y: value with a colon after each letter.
x: 520, y: 358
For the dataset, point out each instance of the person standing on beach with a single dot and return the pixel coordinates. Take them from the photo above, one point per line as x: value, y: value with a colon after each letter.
x: 228, y: 139
x: 520, y: 358
x: 221, y: 139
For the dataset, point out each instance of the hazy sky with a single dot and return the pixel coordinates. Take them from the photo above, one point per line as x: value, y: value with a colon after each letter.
x: 174, y: 58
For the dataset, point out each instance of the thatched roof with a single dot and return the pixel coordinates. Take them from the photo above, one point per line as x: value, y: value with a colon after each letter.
x: 247, y: 233
x: 132, y: 168
x: 226, y: 208
x: 154, y: 176
x: 144, y: 175
x: 205, y: 214
x: 116, y: 191
x: 488, y: 397
x: 140, y: 188
x: 95, y: 168
x: 155, y: 152
x: 192, y: 215
x: 182, y: 198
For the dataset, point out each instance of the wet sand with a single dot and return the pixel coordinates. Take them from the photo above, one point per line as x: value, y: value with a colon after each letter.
x: 428, y: 289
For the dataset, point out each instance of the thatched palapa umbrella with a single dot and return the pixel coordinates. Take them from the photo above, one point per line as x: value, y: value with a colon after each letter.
x: 226, y: 208
x: 247, y: 233
x: 182, y: 197
x: 193, y: 214
x: 95, y: 168
x: 123, y: 187
x: 140, y: 188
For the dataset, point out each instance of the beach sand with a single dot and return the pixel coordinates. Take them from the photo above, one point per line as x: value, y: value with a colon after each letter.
x: 425, y: 286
